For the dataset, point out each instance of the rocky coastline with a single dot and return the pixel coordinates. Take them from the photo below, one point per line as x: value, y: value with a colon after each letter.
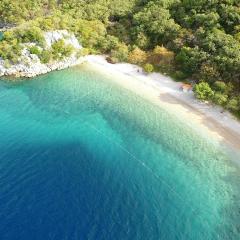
x: 30, y: 65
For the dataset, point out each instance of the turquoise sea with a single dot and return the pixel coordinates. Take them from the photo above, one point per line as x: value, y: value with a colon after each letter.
x: 83, y: 158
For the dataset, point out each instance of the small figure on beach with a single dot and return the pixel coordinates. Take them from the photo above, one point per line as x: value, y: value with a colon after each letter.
x: 186, y: 87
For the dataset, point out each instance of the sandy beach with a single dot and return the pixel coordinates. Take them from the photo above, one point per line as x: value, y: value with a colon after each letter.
x: 165, y: 92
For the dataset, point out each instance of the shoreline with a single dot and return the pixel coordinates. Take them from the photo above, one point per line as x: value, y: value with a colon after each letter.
x: 30, y: 65
x: 165, y: 92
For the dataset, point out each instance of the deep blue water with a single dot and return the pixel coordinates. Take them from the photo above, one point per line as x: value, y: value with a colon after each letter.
x: 83, y: 158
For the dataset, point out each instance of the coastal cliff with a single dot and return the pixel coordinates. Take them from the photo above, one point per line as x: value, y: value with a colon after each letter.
x: 30, y: 64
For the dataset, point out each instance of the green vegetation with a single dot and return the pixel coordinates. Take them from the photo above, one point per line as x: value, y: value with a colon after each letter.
x: 119, y: 53
x: 10, y: 50
x: 46, y: 56
x: 11, y: 43
x: 148, y: 68
x: 137, y: 56
x: 35, y: 50
x: 61, y: 50
x: 203, y: 91
x: 187, y: 39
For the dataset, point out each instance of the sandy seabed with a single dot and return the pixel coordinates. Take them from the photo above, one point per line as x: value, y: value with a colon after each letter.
x: 167, y: 93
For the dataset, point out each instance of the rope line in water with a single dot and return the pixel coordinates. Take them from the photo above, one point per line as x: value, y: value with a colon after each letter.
x: 109, y: 138
x: 194, y: 211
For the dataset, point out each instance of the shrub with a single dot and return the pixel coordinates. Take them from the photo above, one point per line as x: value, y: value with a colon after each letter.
x: 91, y: 33
x: 61, y: 50
x: 7, y: 64
x: 148, y: 68
x: 203, y: 91
x: 208, y: 71
x: 237, y: 36
x: 82, y: 52
x: 45, y: 56
x: 120, y: 30
x: 190, y: 59
x: 137, y: 56
x: 142, y: 40
x: 10, y: 50
x: 15, y: 59
x: 230, y: 88
x: 233, y: 105
x: 8, y: 35
x: 161, y: 56
x: 120, y: 53
x: 35, y: 50
x: 220, y: 86
x: 47, y: 24
x: 67, y: 50
x: 31, y: 34
x: 179, y: 75
x: 220, y: 98
x: 108, y: 43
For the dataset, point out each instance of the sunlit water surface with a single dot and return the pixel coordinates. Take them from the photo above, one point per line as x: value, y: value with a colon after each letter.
x: 83, y: 158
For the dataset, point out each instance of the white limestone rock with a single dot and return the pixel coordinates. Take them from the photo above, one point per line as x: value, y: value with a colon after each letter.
x: 30, y: 64
x: 54, y: 36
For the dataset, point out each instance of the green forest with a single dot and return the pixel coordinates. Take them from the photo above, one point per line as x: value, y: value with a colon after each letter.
x: 196, y: 41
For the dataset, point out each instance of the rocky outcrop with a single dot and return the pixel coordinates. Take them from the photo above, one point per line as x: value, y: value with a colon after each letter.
x: 51, y: 37
x: 29, y: 65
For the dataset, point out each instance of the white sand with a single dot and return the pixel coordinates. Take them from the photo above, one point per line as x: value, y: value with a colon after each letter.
x: 164, y: 91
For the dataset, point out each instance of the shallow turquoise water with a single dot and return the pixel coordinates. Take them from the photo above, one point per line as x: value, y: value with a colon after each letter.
x: 83, y: 158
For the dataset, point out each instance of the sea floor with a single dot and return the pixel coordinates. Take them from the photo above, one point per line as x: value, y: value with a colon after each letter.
x: 83, y: 158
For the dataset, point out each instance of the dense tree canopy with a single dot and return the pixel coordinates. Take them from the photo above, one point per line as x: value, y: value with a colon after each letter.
x: 201, y: 37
